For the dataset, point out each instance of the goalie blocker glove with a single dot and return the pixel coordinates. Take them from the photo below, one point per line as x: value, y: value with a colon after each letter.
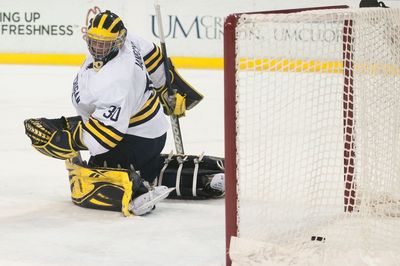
x: 185, y: 97
x: 58, y: 138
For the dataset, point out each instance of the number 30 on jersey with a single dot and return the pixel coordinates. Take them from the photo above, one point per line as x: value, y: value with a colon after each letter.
x: 112, y: 113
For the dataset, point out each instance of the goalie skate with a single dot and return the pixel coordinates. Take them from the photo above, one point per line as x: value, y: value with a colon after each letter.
x: 145, y: 203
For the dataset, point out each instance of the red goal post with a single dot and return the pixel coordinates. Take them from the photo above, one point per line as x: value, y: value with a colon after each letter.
x: 230, y: 79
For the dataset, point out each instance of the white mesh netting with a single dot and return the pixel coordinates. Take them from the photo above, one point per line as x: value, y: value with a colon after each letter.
x: 318, y: 102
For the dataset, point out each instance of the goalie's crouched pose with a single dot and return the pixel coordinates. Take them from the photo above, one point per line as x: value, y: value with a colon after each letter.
x: 120, y: 97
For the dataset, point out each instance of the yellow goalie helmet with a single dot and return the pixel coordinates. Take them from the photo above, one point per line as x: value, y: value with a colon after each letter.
x: 105, y: 36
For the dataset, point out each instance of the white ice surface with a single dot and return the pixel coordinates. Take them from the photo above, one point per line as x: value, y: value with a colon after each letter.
x: 39, y: 225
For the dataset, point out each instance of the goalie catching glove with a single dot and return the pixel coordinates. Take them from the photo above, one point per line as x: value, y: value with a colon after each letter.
x: 58, y: 138
x: 174, y: 104
x: 185, y: 97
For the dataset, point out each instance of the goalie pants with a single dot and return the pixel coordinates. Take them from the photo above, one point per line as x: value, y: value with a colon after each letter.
x: 143, y: 153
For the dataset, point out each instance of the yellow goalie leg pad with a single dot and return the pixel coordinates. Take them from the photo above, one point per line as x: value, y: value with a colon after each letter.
x: 100, y: 188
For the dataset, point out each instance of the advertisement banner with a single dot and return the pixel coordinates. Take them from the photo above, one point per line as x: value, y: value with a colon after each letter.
x: 48, y: 30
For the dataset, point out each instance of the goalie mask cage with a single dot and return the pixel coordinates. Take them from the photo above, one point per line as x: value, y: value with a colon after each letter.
x: 312, y: 136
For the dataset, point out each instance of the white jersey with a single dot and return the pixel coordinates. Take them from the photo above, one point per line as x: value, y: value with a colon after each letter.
x: 119, y: 99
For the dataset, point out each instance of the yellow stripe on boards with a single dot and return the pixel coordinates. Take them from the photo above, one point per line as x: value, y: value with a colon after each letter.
x: 316, y: 66
x: 198, y: 62
x: 100, y: 136
x: 106, y: 130
x: 284, y: 65
x: 77, y: 60
x: 43, y: 59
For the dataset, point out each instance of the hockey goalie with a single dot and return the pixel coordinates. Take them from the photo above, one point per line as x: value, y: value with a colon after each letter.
x: 122, y: 104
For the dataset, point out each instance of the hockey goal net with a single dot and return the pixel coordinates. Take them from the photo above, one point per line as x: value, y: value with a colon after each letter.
x: 312, y: 136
